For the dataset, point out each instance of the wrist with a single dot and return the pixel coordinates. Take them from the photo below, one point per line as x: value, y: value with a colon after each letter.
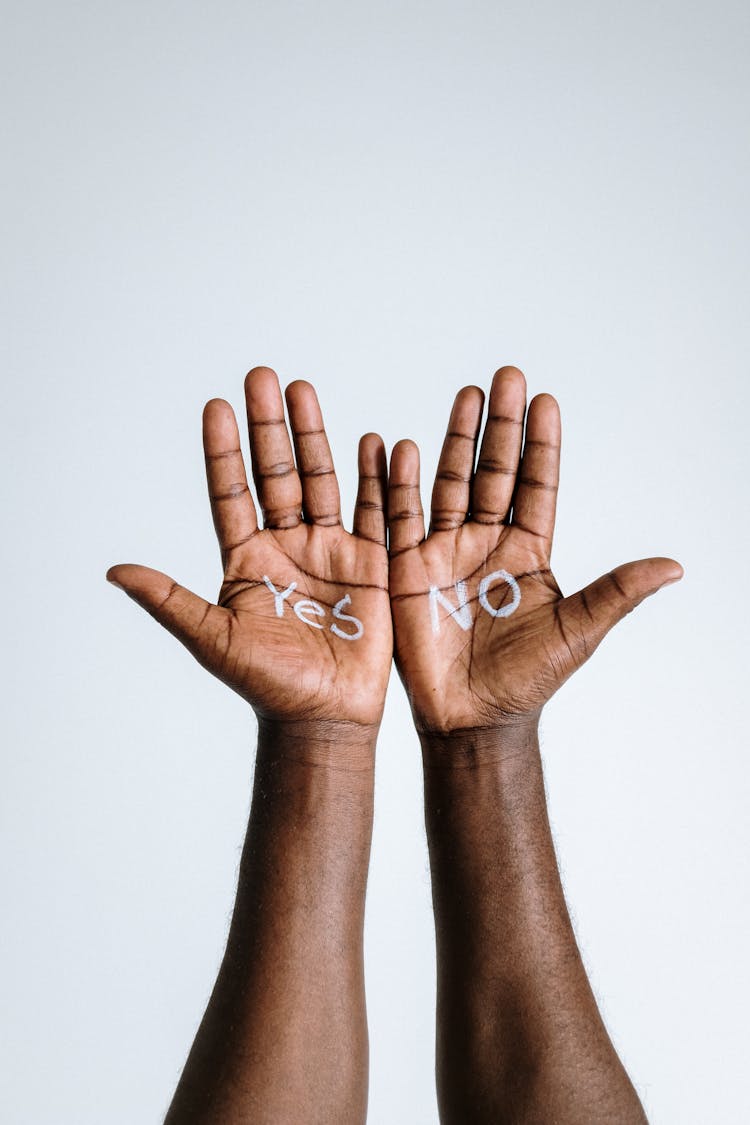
x: 469, y: 748
x: 340, y: 746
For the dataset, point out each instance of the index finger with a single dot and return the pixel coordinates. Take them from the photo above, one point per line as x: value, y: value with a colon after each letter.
x: 535, y: 501
x: 231, y: 503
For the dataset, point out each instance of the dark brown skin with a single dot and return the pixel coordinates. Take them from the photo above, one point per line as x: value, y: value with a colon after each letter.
x: 284, y: 668
x: 519, y: 1035
x: 284, y: 1037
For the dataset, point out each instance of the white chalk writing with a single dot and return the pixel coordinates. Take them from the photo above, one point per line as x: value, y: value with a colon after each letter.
x: 307, y: 610
x: 461, y: 613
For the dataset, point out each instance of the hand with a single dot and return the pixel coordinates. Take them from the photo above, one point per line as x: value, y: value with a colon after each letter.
x: 302, y: 628
x: 483, y: 634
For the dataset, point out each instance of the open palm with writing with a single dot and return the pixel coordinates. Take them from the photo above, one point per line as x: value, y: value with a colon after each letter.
x: 302, y: 624
x: 483, y: 634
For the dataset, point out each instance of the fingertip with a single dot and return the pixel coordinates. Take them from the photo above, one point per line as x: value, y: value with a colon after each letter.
x: 371, y: 454
x: 405, y: 462
x: 112, y: 578
x: 216, y: 405
x: 218, y: 416
x: 643, y: 578
x: 260, y: 372
x: 510, y: 376
x: 545, y: 401
x: 405, y: 516
x: 508, y: 395
x: 406, y: 445
x: 259, y: 379
x: 303, y: 408
x: 676, y: 571
x: 299, y: 388
x: 471, y: 394
x: 130, y: 577
x: 121, y: 573
x: 510, y: 371
x: 466, y: 413
x: 544, y: 415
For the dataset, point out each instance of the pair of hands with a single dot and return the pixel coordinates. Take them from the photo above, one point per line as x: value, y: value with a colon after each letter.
x: 309, y: 615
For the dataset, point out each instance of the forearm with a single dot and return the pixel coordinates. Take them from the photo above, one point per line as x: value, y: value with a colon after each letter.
x: 284, y: 1037
x: 519, y: 1034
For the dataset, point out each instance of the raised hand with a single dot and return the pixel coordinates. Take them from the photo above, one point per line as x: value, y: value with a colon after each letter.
x: 302, y: 627
x: 483, y: 633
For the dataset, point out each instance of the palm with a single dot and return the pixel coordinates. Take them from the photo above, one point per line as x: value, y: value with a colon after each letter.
x: 295, y: 666
x: 496, y: 667
x: 302, y: 626
x: 482, y: 631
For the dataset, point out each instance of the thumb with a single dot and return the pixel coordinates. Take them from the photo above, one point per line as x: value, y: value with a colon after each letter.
x: 179, y: 610
x: 592, y: 612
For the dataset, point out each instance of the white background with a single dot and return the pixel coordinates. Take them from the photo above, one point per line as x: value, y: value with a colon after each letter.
x: 391, y: 200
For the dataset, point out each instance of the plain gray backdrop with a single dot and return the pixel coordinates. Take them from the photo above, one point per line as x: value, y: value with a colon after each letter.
x: 391, y: 200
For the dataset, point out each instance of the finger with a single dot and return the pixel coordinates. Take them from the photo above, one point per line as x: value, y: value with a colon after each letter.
x: 452, y: 488
x: 231, y: 503
x: 535, y: 497
x: 320, y: 490
x: 274, y: 472
x: 405, y: 516
x: 180, y: 611
x: 585, y: 618
x: 495, y: 476
x: 369, y: 510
